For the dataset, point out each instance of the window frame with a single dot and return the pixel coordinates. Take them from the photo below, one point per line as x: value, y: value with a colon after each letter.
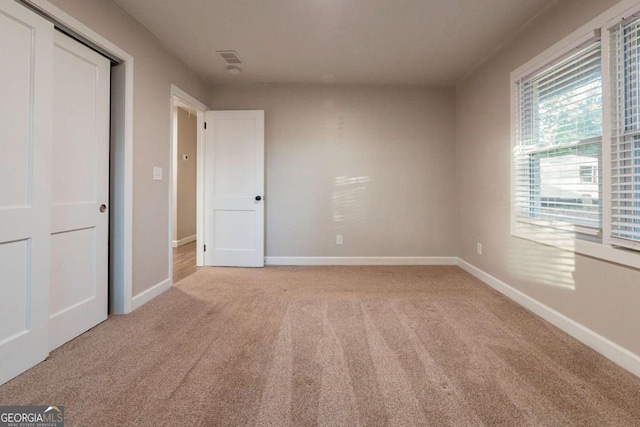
x: 567, y: 236
x: 631, y: 14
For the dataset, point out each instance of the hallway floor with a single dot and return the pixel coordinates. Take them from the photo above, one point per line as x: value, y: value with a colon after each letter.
x: 184, y: 261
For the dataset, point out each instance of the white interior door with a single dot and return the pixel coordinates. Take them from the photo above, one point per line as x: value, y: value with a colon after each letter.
x: 234, y: 189
x: 79, y: 190
x: 26, y: 42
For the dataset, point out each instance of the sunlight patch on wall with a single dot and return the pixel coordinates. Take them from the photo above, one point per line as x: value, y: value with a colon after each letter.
x: 349, y: 201
x: 545, y: 266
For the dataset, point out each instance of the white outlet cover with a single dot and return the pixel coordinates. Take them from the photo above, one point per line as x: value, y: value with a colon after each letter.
x: 338, y: 239
x: 157, y: 173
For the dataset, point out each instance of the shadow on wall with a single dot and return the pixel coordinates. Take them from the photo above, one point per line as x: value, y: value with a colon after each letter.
x: 350, y: 200
x: 544, y: 265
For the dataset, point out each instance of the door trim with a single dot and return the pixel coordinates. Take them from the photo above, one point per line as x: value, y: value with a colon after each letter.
x: 201, y: 109
x: 121, y: 188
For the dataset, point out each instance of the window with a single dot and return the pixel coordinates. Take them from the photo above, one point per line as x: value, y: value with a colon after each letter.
x: 576, y: 140
x: 588, y: 174
x: 625, y: 142
x: 559, y: 141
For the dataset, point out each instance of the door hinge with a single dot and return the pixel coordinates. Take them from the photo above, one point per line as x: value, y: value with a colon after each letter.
x: 205, y: 125
x: 205, y: 248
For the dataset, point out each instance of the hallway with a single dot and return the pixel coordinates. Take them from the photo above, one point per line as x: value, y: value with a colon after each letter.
x: 184, y: 261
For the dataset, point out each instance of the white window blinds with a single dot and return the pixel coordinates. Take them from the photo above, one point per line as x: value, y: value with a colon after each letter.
x: 559, y: 139
x: 625, y: 143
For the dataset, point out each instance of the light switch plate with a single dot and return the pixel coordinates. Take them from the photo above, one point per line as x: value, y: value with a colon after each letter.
x: 157, y: 173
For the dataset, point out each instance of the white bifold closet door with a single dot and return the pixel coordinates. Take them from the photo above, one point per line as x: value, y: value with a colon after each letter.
x: 79, y: 190
x: 26, y: 44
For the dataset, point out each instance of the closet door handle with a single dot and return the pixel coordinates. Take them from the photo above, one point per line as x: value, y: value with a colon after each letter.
x: 258, y: 198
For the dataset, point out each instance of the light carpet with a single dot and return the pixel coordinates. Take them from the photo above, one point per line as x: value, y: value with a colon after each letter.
x: 330, y: 346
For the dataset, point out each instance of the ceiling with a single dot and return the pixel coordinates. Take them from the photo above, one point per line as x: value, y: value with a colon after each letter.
x: 343, y: 41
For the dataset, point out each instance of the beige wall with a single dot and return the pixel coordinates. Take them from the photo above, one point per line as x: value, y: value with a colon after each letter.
x: 186, y: 174
x: 154, y: 71
x: 373, y: 163
x: 602, y: 296
x: 401, y: 139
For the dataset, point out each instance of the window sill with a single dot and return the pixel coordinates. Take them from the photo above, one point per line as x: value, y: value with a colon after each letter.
x: 569, y: 242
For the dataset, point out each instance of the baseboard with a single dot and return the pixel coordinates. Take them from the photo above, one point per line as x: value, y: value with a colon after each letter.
x: 145, y: 296
x: 178, y: 243
x: 612, y: 351
x: 296, y: 260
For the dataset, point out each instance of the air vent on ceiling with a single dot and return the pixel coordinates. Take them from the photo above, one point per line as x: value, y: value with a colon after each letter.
x: 231, y: 56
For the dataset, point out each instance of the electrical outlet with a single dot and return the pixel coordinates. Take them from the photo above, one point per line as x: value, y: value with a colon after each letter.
x: 338, y: 239
x: 479, y: 248
x: 157, y: 173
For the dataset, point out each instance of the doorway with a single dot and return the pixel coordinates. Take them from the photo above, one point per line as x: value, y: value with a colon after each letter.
x: 187, y: 124
x: 185, y: 138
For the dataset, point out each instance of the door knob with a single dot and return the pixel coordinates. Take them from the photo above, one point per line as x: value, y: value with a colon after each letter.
x: 258, y: 198
x: 103, y: 208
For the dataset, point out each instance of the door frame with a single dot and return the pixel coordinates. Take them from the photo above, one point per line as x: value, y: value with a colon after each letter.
x: 201, y: 109
x: 121, y: 173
